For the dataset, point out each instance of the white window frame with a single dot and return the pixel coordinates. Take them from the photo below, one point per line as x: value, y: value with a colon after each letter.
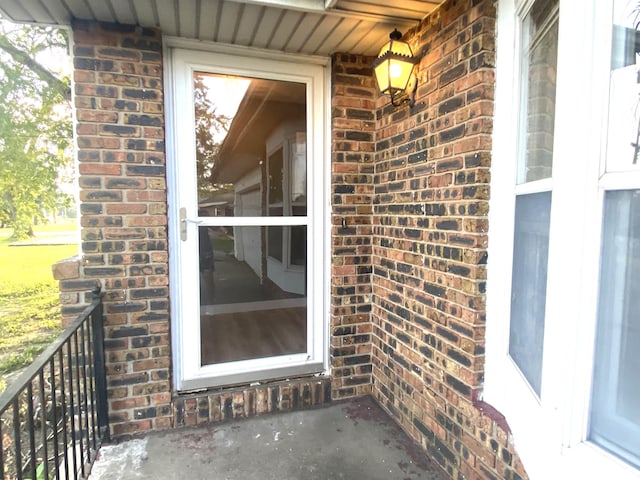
x: 282, y: 139
x: 550, y: 433
x: 182, y: 58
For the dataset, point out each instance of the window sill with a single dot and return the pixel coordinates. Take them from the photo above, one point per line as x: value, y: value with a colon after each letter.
x: 588, y: 461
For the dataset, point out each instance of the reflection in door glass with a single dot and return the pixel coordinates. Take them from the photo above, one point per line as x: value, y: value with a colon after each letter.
x: 251, y: 149
x: 251, y: 155
x: 251, y: 307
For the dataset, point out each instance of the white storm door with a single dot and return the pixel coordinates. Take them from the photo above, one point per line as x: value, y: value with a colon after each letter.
x: 248, y: 239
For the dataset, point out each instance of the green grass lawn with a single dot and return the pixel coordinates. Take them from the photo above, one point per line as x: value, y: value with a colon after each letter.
x: 29, y: 306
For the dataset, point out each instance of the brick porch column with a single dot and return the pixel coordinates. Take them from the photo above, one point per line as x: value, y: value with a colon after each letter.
x: 118, y: 96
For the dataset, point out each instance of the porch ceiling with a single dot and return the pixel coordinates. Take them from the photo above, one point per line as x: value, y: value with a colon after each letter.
x: 318, y: 27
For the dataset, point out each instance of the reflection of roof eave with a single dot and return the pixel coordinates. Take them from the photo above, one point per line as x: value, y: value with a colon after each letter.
x: 223, y: 171
x: 231, y: 167
x: 239, y: 121
x: 264, y: 106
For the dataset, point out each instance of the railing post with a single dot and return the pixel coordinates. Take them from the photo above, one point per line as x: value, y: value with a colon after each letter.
x: 99, y: 366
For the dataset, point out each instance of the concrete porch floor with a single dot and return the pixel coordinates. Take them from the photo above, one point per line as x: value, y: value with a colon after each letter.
x: 347, y: 440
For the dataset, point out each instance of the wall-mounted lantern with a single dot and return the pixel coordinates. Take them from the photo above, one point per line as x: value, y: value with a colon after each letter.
x: 394, y: 70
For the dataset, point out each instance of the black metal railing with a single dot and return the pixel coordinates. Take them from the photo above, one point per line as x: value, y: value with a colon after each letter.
x: 54, y: 417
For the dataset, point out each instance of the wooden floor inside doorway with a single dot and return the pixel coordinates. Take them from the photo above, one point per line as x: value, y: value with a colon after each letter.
x: 253, y: 334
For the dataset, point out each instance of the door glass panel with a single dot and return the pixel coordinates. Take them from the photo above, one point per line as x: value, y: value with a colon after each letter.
x: 538, y: 90
x: 249, y: 308
x: 236, y: 119
x: 615, y: 409
x: 529, y: 285
x: 251, y: 155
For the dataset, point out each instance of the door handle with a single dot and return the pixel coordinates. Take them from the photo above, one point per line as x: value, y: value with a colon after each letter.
x: 183, y: 223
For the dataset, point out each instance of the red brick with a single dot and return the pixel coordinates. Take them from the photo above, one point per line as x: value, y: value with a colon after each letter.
x: 99, y: 169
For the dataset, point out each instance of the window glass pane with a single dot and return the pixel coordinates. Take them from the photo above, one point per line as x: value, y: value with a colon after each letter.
x: 248, y: 307
x: 615, y: 407
x: 623, y: 136
x: 538, y: 87
x: 529, y: 284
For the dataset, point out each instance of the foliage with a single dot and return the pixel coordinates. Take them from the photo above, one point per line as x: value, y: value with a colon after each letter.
x: 210, y: 128
x: 28, y: 330
x: 39, y: 472
x: 29, y: 305
x: 35, y: 125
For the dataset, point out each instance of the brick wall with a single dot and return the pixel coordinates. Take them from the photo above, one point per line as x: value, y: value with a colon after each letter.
x: 118, y: 98
x: 243, y: 402
x: 352, y: 155
x: 429, y: 254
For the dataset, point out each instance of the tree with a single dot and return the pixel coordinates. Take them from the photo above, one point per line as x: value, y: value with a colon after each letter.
x: 210, y: 130
x: 35, y: 125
